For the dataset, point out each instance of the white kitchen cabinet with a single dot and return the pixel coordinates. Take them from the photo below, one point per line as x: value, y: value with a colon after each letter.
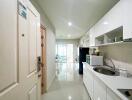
x: 84, y: 74
x: 92, y: 37
x: 111, y: 95
x: 100, y: 27
x: 90, y: 84
x: 110, y: 21
x: 99, y: 90
x: 119, y: 16
x: 112, y: 37
x: 88, y: 81
x: 96, y: 88
x: 113, y: 18
x: 127, y: 19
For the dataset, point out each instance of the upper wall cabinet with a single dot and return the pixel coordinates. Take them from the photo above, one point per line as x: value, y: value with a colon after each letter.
x: 112, y: 20
x: 127, y: 10
x: 113, y: 37
x: 92, y: 36
x: 119, y: 16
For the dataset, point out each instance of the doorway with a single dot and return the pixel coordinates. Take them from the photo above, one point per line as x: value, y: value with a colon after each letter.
x: 64, y: 53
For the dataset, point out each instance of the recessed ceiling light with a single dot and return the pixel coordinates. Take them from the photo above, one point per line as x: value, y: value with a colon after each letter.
x: 69, y: 35
x: 105, y: 23
x: 69, y: 97
x: 70, y: 23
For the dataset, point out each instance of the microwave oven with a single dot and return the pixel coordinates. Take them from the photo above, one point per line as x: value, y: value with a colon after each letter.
x: 94, y: 60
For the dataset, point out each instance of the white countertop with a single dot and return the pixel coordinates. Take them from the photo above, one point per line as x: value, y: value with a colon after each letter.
x: 113, y: 82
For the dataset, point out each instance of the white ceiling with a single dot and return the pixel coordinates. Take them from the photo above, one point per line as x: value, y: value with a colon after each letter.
x: 82, y: 13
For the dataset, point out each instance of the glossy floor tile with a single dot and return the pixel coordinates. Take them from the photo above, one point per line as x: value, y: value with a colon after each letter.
x: 68, y: 84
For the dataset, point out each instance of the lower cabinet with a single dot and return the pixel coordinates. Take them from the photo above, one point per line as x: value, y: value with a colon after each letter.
x: 99, y: 90
x: 88, y: 81
x: 96, y: 88
x: 90, y: 84
x: 111, y: 95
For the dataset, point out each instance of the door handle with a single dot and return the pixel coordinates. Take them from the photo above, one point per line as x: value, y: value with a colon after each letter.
x: 39, y: 75
x: 39, y: 64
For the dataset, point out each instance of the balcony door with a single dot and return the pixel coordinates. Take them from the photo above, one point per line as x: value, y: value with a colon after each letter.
x: 64, y: 53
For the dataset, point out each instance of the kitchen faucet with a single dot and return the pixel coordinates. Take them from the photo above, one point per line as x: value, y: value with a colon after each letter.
x: 113, y: 67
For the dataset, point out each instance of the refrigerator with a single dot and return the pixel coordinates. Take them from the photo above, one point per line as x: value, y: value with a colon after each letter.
x: 82, y: 57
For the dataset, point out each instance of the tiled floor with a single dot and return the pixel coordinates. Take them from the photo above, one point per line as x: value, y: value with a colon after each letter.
x: 68, y: 85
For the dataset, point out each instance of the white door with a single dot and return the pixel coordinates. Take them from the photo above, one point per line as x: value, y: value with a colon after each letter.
x: 18, y: 51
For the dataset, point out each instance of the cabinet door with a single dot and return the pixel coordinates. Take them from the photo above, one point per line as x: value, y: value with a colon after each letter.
x: 99, y: 90
x: 88, y: 81
x: 90, y: 84
x: 111, y: 95
x: 92, y: 37
x: 114, y: 17
x: 84, y: 74
x: 110, y: 21
x: 127, y: 19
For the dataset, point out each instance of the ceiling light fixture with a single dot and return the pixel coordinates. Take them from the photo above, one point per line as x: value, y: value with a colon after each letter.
x: 69, y: 35
x: 69, y: 97
x: 105, y: 23
x: 70, y: 23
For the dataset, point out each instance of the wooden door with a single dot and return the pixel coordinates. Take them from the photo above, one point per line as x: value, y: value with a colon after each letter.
x: 19, y: 51
x: 44, y: 69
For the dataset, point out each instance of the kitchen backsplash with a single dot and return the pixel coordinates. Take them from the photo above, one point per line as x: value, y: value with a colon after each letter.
x: 120, y: 54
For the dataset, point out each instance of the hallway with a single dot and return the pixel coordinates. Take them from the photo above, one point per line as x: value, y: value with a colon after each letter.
x: 68, y: 85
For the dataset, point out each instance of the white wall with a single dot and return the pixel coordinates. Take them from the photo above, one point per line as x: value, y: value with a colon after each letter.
x: 50, y: 57
x: 75, y: 43
x: 50, y: 49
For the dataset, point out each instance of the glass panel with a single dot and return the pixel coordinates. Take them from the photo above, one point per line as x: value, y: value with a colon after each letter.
x: 64, y: 53
x: 69, y: 52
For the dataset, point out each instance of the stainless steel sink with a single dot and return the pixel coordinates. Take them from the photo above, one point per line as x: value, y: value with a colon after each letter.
x: 127, y: 93
x: 106, y: 71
